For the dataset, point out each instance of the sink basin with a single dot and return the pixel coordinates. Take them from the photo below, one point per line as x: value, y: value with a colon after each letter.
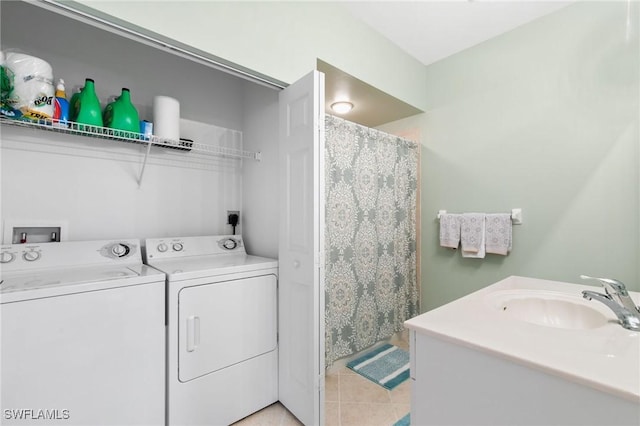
x: 549, y: 309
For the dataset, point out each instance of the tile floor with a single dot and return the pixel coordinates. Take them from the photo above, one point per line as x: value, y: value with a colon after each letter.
x: 350, y: 400
x: 273, y: 415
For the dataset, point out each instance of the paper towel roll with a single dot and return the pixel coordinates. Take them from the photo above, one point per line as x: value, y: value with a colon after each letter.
x: 27, y: 68
x: 33, y: 88
x: 166, y: 118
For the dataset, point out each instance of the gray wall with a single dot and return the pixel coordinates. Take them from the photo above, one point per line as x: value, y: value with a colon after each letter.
x: 545, y: 118
x: 260, y: 179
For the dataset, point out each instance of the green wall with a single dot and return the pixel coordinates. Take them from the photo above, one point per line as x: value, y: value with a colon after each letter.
x: 282, y: 40
x: 545, y: 118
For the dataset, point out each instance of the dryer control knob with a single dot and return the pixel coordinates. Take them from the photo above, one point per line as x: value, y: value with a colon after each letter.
x: 230, y: 244
x: 31, y: 256
x: 119, y: 250
x: 162, y: 247
x: 7, y: 257
x: 177, y: 247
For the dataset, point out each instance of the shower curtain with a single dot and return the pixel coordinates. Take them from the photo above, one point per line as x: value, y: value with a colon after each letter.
x: 370, y: 238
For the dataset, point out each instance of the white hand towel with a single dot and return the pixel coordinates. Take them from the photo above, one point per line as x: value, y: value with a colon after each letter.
x: 472, y: 235
x: 498, y: 233
x: 450, y: 230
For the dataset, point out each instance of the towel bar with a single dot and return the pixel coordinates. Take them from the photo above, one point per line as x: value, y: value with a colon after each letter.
x: 516, y: 216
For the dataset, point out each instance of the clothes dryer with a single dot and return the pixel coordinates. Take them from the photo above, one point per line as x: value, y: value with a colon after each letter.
x: 222, y: 348
x: 82, y: 335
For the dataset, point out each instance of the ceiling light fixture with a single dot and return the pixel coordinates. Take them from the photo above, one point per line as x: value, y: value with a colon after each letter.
x: 341, y: 107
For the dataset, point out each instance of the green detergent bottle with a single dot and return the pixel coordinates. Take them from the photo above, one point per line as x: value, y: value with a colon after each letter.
x: 74, y: 103
x: 122, y: 115
x: 88, y: 106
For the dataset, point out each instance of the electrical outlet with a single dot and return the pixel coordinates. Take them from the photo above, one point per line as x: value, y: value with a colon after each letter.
x: 230, y: 212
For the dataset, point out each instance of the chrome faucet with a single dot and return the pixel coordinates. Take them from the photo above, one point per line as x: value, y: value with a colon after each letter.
x: 617, y: 299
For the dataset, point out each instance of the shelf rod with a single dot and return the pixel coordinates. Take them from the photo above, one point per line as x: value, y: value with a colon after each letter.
x: 104, y: 133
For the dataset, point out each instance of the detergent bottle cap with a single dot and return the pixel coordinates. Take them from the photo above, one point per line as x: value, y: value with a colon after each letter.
x: 60, y: 91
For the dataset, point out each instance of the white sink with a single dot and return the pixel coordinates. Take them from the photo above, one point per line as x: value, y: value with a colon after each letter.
x: 545, y: 325
x: 546, y: 308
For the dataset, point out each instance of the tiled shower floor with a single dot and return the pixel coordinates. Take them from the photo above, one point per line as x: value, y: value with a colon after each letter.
x: 350, y: 400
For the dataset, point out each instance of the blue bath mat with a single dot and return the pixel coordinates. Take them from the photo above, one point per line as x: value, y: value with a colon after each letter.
x: 387, y: 366
x: 405, y: 421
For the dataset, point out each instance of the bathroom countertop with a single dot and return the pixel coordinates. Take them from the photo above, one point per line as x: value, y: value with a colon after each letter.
x: 605, y: 357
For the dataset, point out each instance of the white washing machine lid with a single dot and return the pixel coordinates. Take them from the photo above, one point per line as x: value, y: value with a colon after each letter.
x: 37, y: 284
x: 186, y: 268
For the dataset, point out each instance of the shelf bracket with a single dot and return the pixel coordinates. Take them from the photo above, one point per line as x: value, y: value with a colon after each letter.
x: 144, y: 163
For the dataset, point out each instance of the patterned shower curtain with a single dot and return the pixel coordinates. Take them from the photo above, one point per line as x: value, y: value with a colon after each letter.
x: 370, y: 239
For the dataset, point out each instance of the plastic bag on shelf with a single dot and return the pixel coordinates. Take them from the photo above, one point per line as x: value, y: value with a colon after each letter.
x: 32, y: 91
x: 6, y: 88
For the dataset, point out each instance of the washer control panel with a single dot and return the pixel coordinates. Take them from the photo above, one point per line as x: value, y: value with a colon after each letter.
x: 17, y: 257
x: 164, y: 248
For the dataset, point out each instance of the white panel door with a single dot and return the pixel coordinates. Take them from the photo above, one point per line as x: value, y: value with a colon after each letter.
x: 301, y: 258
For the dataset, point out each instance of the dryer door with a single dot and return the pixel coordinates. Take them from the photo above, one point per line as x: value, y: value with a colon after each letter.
x: 224, y: 323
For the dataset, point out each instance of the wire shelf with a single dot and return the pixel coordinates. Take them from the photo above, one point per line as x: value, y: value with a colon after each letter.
x: 116, y: 135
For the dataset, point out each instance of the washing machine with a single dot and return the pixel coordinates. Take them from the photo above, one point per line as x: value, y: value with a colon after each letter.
x: 222, y: 343
x: 82, y: 335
